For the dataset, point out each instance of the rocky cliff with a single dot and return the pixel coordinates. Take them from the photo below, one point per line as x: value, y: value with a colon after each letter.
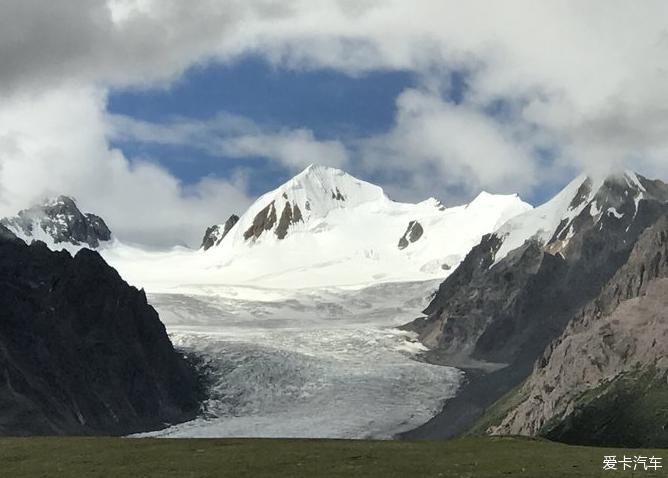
x: 505, y: 304
x: 81, y: 352
x: 595, y: 384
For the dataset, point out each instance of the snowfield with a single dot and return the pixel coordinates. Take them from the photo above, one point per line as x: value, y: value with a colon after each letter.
x: 348, y: 235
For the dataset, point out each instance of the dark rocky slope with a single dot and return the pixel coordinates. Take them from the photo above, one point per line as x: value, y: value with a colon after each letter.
x: 603, y: 382
x: 81, y: 352
x: 496, y: 319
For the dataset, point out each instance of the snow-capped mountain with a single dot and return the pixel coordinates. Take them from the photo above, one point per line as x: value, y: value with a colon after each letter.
x: 585, y: 229
x: 60, y: 224
x: 302, y: 203
x: 613, y: 199
x: 512, y: 298
x: 321, y: 199
x: 325, y: 227
x: 322, y: 228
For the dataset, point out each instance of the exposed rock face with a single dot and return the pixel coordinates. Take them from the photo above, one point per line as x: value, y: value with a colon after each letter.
x: 289, y: 216
x: 284, y: 222
x: 264, y: 221
x: 478, y: 319
x: 6, y: 234
x: 62, y: 221
x: 297, y: 214
x: 624, y: 331
x: 214, y: 235
x: 509, y: 310
x: 81, y: 352
x: 413, y: 234
x: 336, y: 194
x: 494, y: 311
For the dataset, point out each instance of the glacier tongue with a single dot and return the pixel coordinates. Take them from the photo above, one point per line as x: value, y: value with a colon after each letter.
x: 322, y: 364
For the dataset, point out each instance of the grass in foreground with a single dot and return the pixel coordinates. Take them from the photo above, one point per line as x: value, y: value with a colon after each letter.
x: 473, y: 457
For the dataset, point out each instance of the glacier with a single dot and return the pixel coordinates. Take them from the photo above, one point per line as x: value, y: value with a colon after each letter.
x: 324, y: 363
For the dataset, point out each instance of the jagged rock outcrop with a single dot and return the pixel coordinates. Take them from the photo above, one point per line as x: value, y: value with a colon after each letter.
x: 214, y: 235
x: 59, y: 220
x: 505, y: 307
x: 413, y: 234
x: 336, y: 194
x: 594, y: 384
x: 290, y: 215
x: 211, y: 237
x: 264, y: 221
x: 497, y: 311
x: 81, y: 352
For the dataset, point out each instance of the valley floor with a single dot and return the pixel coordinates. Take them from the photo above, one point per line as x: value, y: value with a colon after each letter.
x: 195, y: 458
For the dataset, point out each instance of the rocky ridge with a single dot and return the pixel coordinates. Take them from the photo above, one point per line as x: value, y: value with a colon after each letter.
x: 59, y: 221
x: 504, y: 305
x: 215, y: 234
x: 623, y: 331
x: 82, y: 352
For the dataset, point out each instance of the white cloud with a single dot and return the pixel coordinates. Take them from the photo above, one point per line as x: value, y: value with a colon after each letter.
x: 585, y: 79
x: 55, y: 143
x: 295, y: 149
x: 234, y: 136
x: 440, y: 146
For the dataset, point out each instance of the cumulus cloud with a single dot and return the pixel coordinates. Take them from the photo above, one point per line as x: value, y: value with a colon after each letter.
x: 119, y: 42
x: 55, y: 143
x: 438, y: 145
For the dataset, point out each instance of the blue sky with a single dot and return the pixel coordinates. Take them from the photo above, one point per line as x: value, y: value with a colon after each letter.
x: 331, y: 104
x: 165, y: 116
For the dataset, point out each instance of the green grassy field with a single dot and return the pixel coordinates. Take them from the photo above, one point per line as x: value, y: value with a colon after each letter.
x: 474, y: 458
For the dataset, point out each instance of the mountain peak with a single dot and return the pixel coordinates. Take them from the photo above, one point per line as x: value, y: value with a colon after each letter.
x: 65, y: 201
x: 612, y: 201
x: 485, y: 198
x: 58, y: 221
x: 314, y: 168
x: 303, y: 200
x: 322, y: 182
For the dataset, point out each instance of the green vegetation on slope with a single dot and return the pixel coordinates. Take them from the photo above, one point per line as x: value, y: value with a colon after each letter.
x: 495, y: 414
x: 479, y: 458
x: 631, y: 410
